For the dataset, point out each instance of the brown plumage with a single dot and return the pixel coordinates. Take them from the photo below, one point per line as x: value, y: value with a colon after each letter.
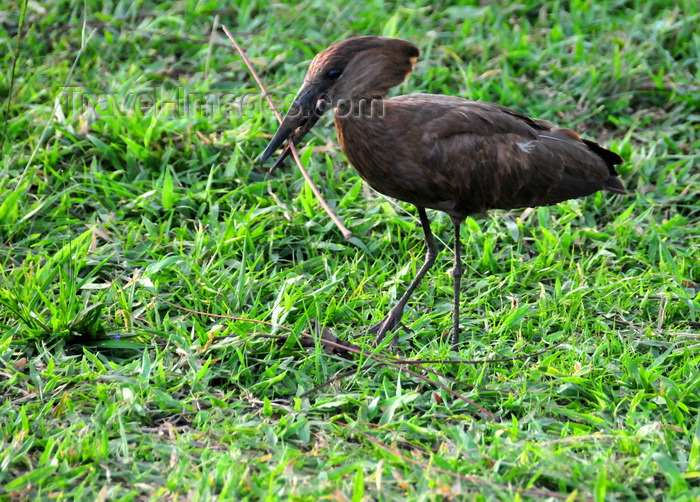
x: 440, y: 152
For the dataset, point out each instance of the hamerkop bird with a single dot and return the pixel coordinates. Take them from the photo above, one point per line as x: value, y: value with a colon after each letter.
x: 440, y: 152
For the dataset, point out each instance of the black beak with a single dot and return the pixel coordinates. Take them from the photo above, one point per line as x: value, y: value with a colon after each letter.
x: 308, y: 106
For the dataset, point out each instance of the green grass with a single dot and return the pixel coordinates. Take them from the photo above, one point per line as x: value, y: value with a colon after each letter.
x: 110, y: 215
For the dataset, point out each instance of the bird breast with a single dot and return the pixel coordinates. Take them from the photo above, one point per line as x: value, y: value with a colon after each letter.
x: 387, y: 153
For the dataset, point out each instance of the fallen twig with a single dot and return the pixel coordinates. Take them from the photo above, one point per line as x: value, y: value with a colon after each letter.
x: 334, y: 345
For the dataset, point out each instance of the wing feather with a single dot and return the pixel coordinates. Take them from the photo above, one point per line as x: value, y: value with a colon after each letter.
x: 490, y: 156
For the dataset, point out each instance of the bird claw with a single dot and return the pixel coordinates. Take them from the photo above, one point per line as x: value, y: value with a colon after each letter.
x: 389, y: 323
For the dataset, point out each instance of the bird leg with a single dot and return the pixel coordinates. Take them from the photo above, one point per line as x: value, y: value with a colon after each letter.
x: 393, y: 318
x: 456, y: 279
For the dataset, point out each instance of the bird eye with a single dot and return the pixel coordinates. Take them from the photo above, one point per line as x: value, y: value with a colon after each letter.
x: 333, y: 74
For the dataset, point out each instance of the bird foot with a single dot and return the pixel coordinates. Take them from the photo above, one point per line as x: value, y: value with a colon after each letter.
x: 389, y: 323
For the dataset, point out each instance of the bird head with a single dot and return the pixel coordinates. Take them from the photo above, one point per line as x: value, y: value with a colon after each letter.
x: 354, y: 67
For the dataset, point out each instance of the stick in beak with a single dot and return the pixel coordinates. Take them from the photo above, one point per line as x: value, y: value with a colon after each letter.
x: 307, y: 107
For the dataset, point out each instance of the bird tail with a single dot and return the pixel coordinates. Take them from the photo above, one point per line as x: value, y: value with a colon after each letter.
x: 613, y: 183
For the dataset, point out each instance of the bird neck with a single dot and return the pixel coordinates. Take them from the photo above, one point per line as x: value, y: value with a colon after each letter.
x: 359, y: 107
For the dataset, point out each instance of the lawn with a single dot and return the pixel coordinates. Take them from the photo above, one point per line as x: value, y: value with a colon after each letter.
x: 162, y: 295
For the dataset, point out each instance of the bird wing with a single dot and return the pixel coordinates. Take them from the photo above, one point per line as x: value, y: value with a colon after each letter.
x: 488, y: 156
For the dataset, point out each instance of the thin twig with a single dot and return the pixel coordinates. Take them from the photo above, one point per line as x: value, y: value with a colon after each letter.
x: 482, y: 411
x: 379, y: 358
x: 356, y: 349
x: 346, y: 233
